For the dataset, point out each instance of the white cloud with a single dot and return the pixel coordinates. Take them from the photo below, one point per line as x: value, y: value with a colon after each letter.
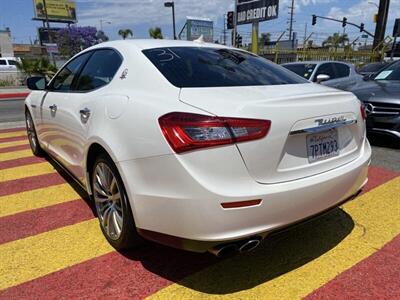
x: 363, y: 12
x: 134, y: 12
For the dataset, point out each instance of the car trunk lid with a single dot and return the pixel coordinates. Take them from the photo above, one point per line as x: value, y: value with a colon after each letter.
x: 304, y: 117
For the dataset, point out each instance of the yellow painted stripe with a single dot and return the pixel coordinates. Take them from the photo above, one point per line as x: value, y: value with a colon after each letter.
x: 15, y: 154
x: 36, y: 256
x: 300, y: 261
x: 12, y: 144
x: 12, y: 134
x: 16, y: 203
x: 26, y: 171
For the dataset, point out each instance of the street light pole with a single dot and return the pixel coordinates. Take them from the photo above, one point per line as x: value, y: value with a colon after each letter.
x: 172, y: 5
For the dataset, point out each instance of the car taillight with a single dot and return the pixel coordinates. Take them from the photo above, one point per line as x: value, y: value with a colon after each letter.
x: 186, y: 131
x: 363, y: 112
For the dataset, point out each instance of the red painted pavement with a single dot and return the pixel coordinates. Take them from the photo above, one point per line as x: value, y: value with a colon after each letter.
x: 8, y: 96
x: 14, y: 148
x: 40, y: 220
x: 376, y: 277
x: 18, y: 162
x: 12, y: 129
x: 13, y: 139
x: 377, y: 176
x: 30, y: 183
x: 132, y: 275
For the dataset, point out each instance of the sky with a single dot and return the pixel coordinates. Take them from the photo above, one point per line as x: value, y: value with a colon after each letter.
x: 140, y: 15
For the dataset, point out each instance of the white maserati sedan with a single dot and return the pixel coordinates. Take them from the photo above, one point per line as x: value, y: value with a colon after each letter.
x: 197, y: 146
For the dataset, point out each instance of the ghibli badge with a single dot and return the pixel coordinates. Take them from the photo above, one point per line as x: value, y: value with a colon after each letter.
x: 329, y: 121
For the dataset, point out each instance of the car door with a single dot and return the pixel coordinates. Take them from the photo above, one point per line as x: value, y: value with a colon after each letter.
x: 74, y: 111
x: 52, y: 128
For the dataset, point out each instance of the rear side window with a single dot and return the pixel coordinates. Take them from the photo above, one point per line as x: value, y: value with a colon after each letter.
x: 304, y: 70
x: 326, y: 69
x: 99, y: 70
x: 3, y: 62
x: 215, y: 67
x: 12, y: 62
x: 342, y: 70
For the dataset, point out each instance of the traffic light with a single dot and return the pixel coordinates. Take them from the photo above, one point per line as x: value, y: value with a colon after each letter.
x: 314, y: 20
x: 230, y: 16
x: 362, y: 27
x: 344, y: 22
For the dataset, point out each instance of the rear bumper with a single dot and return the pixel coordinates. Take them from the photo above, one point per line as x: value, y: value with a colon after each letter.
x: 174, y: 205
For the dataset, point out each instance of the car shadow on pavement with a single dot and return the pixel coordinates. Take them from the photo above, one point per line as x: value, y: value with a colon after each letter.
x: 279, y: 254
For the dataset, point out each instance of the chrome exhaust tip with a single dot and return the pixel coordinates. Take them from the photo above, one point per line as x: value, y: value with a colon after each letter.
x: 224, y: 250
x: 249, y: 245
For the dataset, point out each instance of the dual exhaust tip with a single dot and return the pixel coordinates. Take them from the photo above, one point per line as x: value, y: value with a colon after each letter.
x: 237, y: 247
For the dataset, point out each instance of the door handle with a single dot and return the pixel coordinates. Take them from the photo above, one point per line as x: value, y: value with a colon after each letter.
x: 85, y: 114
x: 53, y: 108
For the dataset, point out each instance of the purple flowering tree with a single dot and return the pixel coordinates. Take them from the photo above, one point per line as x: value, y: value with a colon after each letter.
x: 74, y: 39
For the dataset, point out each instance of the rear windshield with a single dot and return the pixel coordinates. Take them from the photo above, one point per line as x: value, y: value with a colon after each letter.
x: 216, y: 67
x: 304, y: 70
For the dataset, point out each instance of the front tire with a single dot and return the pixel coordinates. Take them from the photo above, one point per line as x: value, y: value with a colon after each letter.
x: 32, y: 136
x: 112, y: 205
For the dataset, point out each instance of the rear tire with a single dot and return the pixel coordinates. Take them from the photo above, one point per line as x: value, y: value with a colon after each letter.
x: 32, y: 136
x: 112, y: 205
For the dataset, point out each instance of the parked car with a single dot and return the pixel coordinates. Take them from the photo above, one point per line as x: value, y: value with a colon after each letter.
x: 197, y: 146
x: 381, y: 97
x: 371, y: 68
x: 330, y: 73
x: 8, y: 64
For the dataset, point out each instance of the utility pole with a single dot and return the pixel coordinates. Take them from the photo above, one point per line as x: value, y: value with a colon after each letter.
x: 234, y: 31
x: 291, y: 21
x: 224, y: 32
x: 52, y: 58
x: 381, y: 23
x: 305, y: 35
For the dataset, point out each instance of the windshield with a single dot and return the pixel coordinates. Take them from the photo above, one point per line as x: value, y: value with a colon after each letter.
x: 373, y: 67
x: 391, y: 72
x: 304, y: 70
x: 217, y: 67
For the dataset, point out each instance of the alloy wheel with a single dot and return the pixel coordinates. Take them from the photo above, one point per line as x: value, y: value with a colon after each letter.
x: 107, y: 196
x: 30, y: 128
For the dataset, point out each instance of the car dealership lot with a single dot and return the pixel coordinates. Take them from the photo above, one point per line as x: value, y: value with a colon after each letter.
x: 51, y: 245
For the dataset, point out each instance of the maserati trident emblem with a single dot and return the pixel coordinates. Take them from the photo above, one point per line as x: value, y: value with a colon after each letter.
x: 330, y: 121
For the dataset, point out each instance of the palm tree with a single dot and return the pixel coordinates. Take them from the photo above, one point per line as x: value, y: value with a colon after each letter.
x: 156, y: 33
x: 40, y: 66
x: 265, y: 38
x: 124, y: 33
x: 336, y: 40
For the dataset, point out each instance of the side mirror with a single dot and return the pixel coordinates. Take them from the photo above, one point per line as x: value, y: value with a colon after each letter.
x: 322, y: 77
x: 36, y: 83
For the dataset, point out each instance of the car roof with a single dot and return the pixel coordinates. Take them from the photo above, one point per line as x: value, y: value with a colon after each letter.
x: 143, y: 44
x: 317, y: 62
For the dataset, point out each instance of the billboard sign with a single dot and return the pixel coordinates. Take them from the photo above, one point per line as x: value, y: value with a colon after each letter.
x: 57, y: 10
x: 44, y: 33
x: 249, y: 11
x: 197, y: 27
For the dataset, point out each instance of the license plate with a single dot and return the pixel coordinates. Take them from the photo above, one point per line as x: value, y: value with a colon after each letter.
x: 323, y: 145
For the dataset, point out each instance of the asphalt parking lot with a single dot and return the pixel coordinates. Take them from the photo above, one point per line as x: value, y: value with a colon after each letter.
x: 51, y: 246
